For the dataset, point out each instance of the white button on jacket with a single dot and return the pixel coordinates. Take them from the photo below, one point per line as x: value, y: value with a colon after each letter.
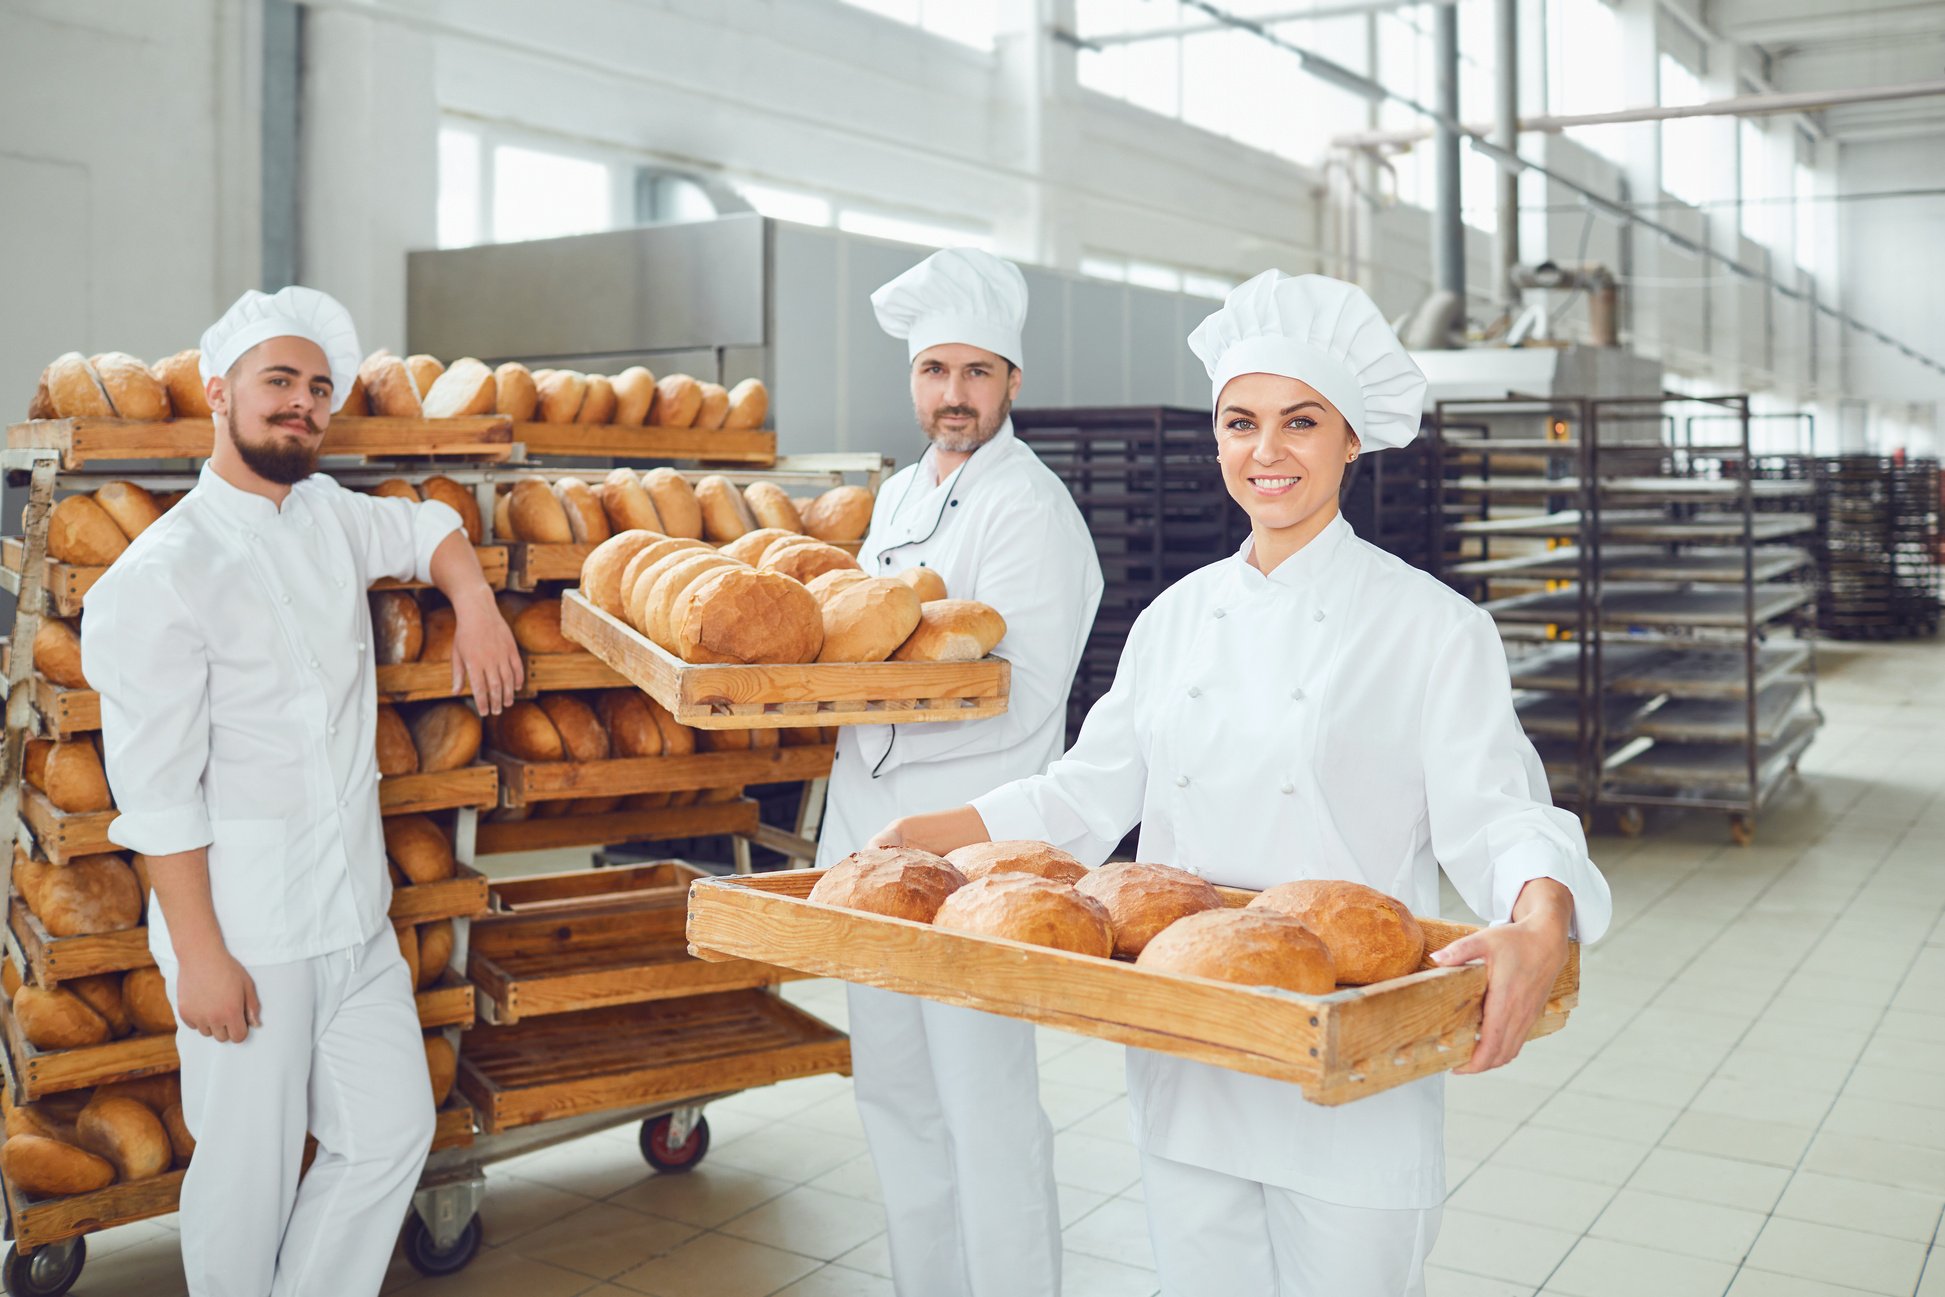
x: 1407, y: 757
x: 221, y: 724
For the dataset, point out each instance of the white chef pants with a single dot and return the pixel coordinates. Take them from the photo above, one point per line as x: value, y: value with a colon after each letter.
x: 950, y: 1100
x: 1216, y: 1235
x: 339, y: 1055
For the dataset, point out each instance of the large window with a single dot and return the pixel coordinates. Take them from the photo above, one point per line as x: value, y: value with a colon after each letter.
x: 1584, y: 69
x: 969, y: 22
x: 1763, y: 206
x: 1805, y: 185
x: 1151, y: 274
x: 1687, y: 172
x: 496, y: 191
x: 1405, y: 66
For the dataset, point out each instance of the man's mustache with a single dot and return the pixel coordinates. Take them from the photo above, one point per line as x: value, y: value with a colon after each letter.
x: 962, y: 411
x: 298, y: 421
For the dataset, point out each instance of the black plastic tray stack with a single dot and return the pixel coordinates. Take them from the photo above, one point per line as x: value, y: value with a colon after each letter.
x: 1914, y: 546
x: 1877, y: 529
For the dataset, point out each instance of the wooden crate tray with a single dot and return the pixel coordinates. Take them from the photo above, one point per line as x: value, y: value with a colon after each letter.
x: 460, y: 897
x: 474, y: 785
x: 594, y: 938
x: 638, y: 1054
x: 60, y: 835
x: 37, y: 1072
x: 455, y: 1123
x: 497, y: 837
x: 81, y: 441
x: 407, y: 682
x: 720, y: 697
x: 47, y: 959
x: 447, y: 1002
x: 65, y: 713
x: 756, y: 446
x: 492, y: 562
x: 548, y: 672
x: 523, y: 782
x: 1339, y: 1047
x: 529, y: 564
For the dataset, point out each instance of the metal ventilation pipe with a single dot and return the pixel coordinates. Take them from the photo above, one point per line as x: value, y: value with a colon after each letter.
x: 1448, y: 227
x: 1506, y: 126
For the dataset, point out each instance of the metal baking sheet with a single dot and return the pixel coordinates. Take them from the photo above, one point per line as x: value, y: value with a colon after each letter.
x: 1657, y: 669
x: 1557, y: 715
x: 1624, y: 605
x: 1701, y: 769
x: 1667, y: 488
x: 1642, y: 563
x: 1726, y: 720
x: 1647, y: 526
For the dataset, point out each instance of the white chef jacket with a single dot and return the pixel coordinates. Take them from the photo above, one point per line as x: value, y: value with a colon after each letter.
x: 232, y: 648
x: 1002, y: 529
x: 1346, y: 716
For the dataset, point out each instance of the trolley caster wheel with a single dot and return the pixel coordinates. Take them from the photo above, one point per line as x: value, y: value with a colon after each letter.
x: 48, y: 1272
x: 1742, y: 829
x: 1630, y: 821
x: 431, y: 1260
x: 669, y: 1158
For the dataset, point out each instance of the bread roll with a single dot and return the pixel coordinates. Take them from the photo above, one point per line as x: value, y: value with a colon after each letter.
x: 749, y: 402
x: 562, y: 392
x: 86, y: 896
x: 639, y: 566
x: 462, y: 502
x: 601, y: 572
x: 70, y: 774
x: 1251, y: 947
x: 749, y: 547
x: 632, y: 731
x: 1017, y: 856
x: 587, y: 520
x: 441, y: 626
x: 9, y: 982
x: 770, y: 506
x: 841, y: 513
x: 131, y: 388
x: 54, y: 1019
x: 1143, y: 899
x: 48, y: 1168
x: 103, y: 993
x: 426, y: 372
x: 503, y: 515
x: 926, y: 581
x: 147, y: 996
x: 953, y: 630
x: 418, y: 846
x: 397, y: 755
x: 514, y: 393
x: 808, y: 561
x: 1371, y: 937
x: 441, y: 1065
x: 634, y: 396
x: 825, y: 587
x: 397, y: 626
x: 675, y: 501
x: 128, y: 1135
x: 575, y: 721
x: 390, y: 387
x: 724, y: 740
x: 181, y: 376
x: 538, y: 629
x: 408, y: 948
x: 397, y: 488
x: 629, y: 506
x: 80, y: 531
x: 467, y: 387
x: 677, y: 399
x: 901, y: 882
x: 598, y: 405
x: 523, y: 731
x: 153, y: 1092
x: 355, y: 405
x: 724, y: 514
x: 76, y: 390
x: 181, y: 1142
x: 41, y: 404
x: 446, y: 735
x: 867, y: 619
x: 537, y: 514
x: 1037, y: 911
x: 131, y: 507
x: 435, y: 952
x: 713, y: 408
x: 665, y: 582
x: 37, y: 1119
x: 678, y: 740
x: 739, y: 615
x: 57, y: 654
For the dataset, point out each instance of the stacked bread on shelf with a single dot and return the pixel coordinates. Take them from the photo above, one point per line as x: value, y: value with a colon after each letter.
x: 570, y: 510
x: 83, y: 1140
x: 92, y: 529
x: 91, y: 1010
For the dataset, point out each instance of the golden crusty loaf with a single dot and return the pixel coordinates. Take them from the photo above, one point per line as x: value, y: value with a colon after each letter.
x: 41, y: 404
x: 397, y: 627
x: 50, y: 1168
x: 1371, y: 937
x: 38, y: 1119
x: 678, y: 740
x: 713, y: 408
x: 725, y: 516
x: 629, y: 505
x: 81, y: 532
x: 75, y: 389
x: 926, y: 581
x: 632, y: 729
x: 537, y: 513
x: 57, y: 1019
x: 425, y: 370
x: 580, y: 729
x: 598, y: 406
x: 1024, y: 907
x: 740, y: 615
x: 181, y: 1142
x: 953, y: 630
x: 408, y: 948
x: 70, y: 774
x: 132, y: 390
x: 397, y: 488
x: 132, y: 507
x: 147, y: 998
x: 841, y: 513
x: 602, y: 570
x: 88, y: 895
x: 634, y: 586
x: 1252, y: 947
x: 1016, y: 856
x: 538, y: 629
x: 418, y: 846
x: 390, y: 387
x: 441, y: 628
x: 808, y: 561
x: 57, y: 654
x: 102, y: 992
x: 397, y: 754
x: 181, y: 376
x: 664, y: 583
x: 824, y: 588
x: 154, y: 1092
x: 750, y: 546
x: 435, y: 951
x: 1143, y: 899
x: 901, y: 882
x: 587, y: 521
x: 634, y: 396
x: 441, y: 1065
x: 677, y: 399
x: 460, y: 500
x: 127, y: 1134
x: 524, y: 731
x: 514, y: 393
x: 770, y: 506
x: 503, y: 515
x: 562, y: 392
x: 675, y: 500
x: 866, y: 620
x: 355, y: 405
x: 466, y: 388
x: 749, y: 402
x: 446, y: 735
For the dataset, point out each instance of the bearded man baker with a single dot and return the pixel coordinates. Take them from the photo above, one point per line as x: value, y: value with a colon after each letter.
x: 232, y: 648
x: 950, y: 1097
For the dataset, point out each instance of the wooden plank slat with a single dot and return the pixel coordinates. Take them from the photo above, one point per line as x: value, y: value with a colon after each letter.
x: 63, y: 837
x: 587, y: 889
x: 525, y: 782
x: 38, y: 1222
x: 529, y: 564
x: 81, y: 441
x: 721, y: 445
x: 454, y: 1125
x: 474, y: 785
x: 496, y: 837
x: 446, y: 1003
x: 37, y: 1072
x: 52, y: 959
x: 66, y: 712
x: 548, y: 672
x: 462, y: 896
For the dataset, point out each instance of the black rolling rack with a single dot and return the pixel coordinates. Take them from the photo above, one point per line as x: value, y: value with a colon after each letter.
x: 1877, y: 527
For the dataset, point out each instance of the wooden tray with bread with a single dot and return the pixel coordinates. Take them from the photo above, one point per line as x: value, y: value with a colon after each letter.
x: 662, y: 1051
x: 474, y: 785
x: 36, y: 1072
x: 524, y: 782
x: 86, y: 440
x: 755, y: 447
x: 559, y: 943
x: 552, y: 672
x: 738, y: 816
x: 462, y: 896
x: 47, y: 959
x: 448, y: 1002
x: 529, y: 563
x: 1338, y: 1045
x: 37, y: 1222
x: 64, y: 835
x: 774, y: 696
x: 493, y: 563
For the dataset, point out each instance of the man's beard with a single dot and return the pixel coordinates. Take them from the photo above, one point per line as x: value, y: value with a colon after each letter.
x: 969, y: 440
x: 276, y: 459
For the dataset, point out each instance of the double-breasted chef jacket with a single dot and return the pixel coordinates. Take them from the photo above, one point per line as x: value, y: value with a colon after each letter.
x: 1345, y: 717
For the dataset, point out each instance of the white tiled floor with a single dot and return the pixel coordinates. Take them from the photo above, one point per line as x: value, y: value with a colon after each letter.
x: 1750, y: 1100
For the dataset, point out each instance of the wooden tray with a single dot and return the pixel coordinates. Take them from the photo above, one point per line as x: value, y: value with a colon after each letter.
x: 716, y: 697
x: 447, y: 1002
x: 522, y: 782
x: 35, y: 1072
x: 47, y: 959
x: 474, y: 785
x: 1338, y: 1047
x: 500, y: 837
x: 65, y: 713
x: 639, y: 1054
x: 756, y: 446
x: 549, y: 672
x: 594, y: 938
x: 61, y: 836
x: 455, y: 1123
x: 80, y: 441
x: 460, y: 897
x: 529, y: 564
x: 492, y: 562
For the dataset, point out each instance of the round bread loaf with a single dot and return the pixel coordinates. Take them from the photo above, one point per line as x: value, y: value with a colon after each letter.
x: 902, y: 882
x: 523, y: 731
x: 537, y: 514
x: 37, y: 1119
x: 678, y: 740
x: 131, y: 388
x: 770, y: 504
x: 538, y: 629
x: 460, y: 500
x: 153, y: 1092
x: 70, y: 774
x: 808, y: 561
x: 665, y: 586
x: 1371, y: 937
x: 398, y: 754
x: 634, y: 396
x: 866, y: 620
x: 128, y: 1135
x: 580, y: 730
x: 181, y: 1142
x: 926, y: 581
x: 418, y: 846
x: 147, y: 996
x: 356, y: 405
x: 750, y: 546
x: 825, y: 586
x: 598, y: 406
x: 103, y: 993
x: 466, y: 388
x: 642, y: 562
x: 514, y: 393
x: 778, y: 544
x: 57, y: 654
x: 741, y: 615
x: 74, y: 389
x: 435, y: 951
x: 562, y: 392
x: 749, y: 402
x: 397, y: 488
x: 41, y: 404
x: 632, y: 731
x: 1252, y: 947
x: 79, y: 531
x: 132, y: 507
x: 587, y: 519
x: 397, y: 627
x: 441, y: 626
x: 1017, y: 856
x: 182, y: 375
x: 713, y: 408
x: 408, y: 948
x: 841, y: 513
x: 724, y: 514
x: 953, y: 630
x: 446, y: 735
x: 50, y: 1168
x: 601, y: 572
x: 1143, y: 899
x: 675, y: 500
x: 441, y: 1065
x: 56, y: 1019
x: 88, y: 895
x: 1037, y: 911
x: 425, y: 370
x: 629, y: 505
x: 678, y: 398
x: 390, y: 388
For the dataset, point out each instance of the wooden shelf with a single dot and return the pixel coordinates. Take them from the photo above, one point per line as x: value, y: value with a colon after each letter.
x: 446, y: 1003
x: 492, y: 562
x: 84, y: 441
x: 61, y: 836
x: 38, y: 1222
x: 36, y: 1072
x: 529, y: 564
x: 463, y: 896
x: 756, y: 446
x: 474, y: 785
x: 551, y: 672
x: 525, y: 782
x: 48, y: 959
x: 502, y: 836
x: 64, y: 712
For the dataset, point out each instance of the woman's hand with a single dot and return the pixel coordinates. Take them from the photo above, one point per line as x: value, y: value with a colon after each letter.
x: 484, y: 651
x: 939, y: 832
x: 1522, y: 960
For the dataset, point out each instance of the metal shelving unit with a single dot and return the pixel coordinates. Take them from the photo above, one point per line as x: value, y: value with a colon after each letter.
x: 1877, y: 528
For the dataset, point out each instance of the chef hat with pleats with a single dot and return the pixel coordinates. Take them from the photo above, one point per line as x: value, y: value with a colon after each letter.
x: 956, y: 295
x: 1323, y: 332
x: 292, y: 312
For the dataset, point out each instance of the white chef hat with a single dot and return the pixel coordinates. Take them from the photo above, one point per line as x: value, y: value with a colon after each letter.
x: 956, y: 295
x: 292, y: 312
x: 1323, y: 332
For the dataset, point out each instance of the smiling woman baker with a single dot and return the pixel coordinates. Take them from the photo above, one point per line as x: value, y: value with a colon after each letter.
x: 1310, y: 708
